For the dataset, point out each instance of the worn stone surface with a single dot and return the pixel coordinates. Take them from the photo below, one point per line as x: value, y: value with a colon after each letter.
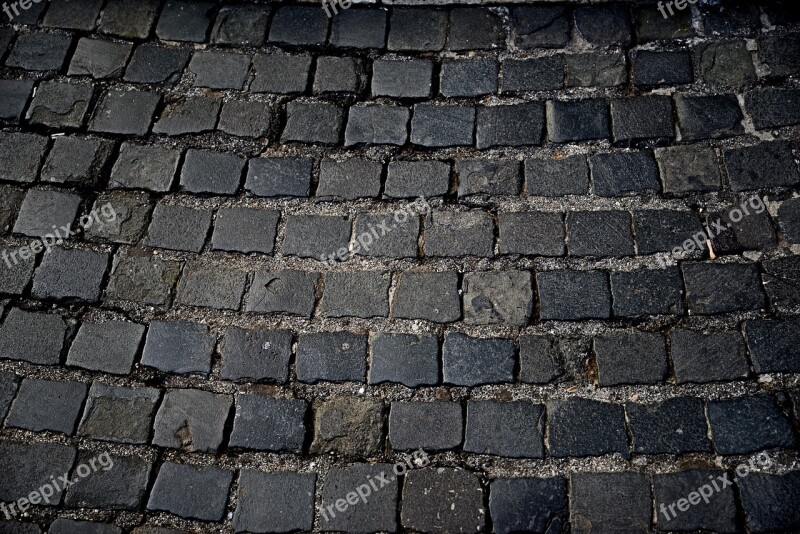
x: 348, y: 426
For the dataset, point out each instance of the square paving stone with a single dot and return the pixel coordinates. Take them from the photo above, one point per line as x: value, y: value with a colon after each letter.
x: 143, y: 278
x: 144, y: 167
x: 653, y: 26
x: 456, y: 233
x: 584, y: 427
x: 647, y: 292
x: 594, y: 508
x: 510, y: 125
x: 151, y: 63
x: 275, y: 502
x: 765, y: 165
x: 749, y: 424
x: 722, y: 288
x: 314, y: 236
x: 531, y: 233
x: 219, y: 70
x: 299, y: 25
x: 622, y: 173
x: 119, y: 414
x: 599, y: 233
x: 408, y: 359
x: 509, y: 429
x: 39, y: 52
x: 190, y: 115
x: 442, y: 499
x: 675, y: 426
x: 429, y: 426
x: 406, y: 179
x: 400, y: 242
x: 664, y: 230
x: 47, y: 405
x: 66, y: 526
x: 630, y: 357
x: 313, y: 122
x: 708, y: 357
x: 596, y: 70
x: 245, y: 230
x: 33, y: 337
x: 246, y: 118
x: 125, y: 112
x: 29, y: 466
x: 377, y: 125
x: 77, y: 161
x: 268, y: 423
x: 471, y: 361
x: 768, y: 500
x: 348, y: 426
x: 60, y: 105
x: 279, y: 176
x: 132, y: 20
x: 542, y: 358
x: 178, y: 228
x: 208, y: 171
x: 772, y: 345
x: 191, y: 420
x: 211, y: 286
x: 688, y: 169
x: 717, y: 514
x: 475, y: 29
x: 178, y: 347
x: 442, y: 125
x: 14, y: 95
x: 708, y: 117
x: 487, y: 176
x: 109, y: 347
x: 337, y: 75
x: 131, y: 213
x: 71, y: 275
x: 778, y: 53
x: 349, y: 179
x: 47, y: 213
x: 557, y: 177
x: 578, y: 120
x: 184, y: 20
x: 99, y: 59
x: 528, y: 504
x: 20, y: 156
x: 498, y: 297
x: 573, y: 295
x: 17, y: 272
x: 331, y: 357
x: 191, y: 492
x: 362, y: 294
x: 604, y: 24
x: 402, y: 77
x: 255, y: 354
x: 531, y: 75
x: 119, y: 487
x: 378, y: 513
x: 641, y: 118
x: 242, y: 25
x: 726, y: 64
x: 540, y: 26
x: 651, y: 69
x: 285, y: 291
x: 72, y: 15
x: 468, y: 77
x: 280, y: 73
x: 427, y: 296
x: 418, y: 29
x: 359, y: 28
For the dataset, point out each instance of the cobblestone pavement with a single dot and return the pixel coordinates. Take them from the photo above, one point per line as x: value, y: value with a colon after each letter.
x: 436, y: 268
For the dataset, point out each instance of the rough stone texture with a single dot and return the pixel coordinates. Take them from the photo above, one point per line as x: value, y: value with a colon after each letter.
x: 191, y: 420
x: 717, y: 514
x: 192, y: 492
x: 458, y: 506
x: 469, y: 361
x: 509, y: 429
x: 428, y: 426
x: 348, y: 427
x: 119, y: 414
x: 268, y: 423
x: 331, y: 356
x: 533, y: 504
x: 280, y: 502
x: 505, y: 298
x: 594, y: 508
x: 409, y: 359
x: 59, y: 104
